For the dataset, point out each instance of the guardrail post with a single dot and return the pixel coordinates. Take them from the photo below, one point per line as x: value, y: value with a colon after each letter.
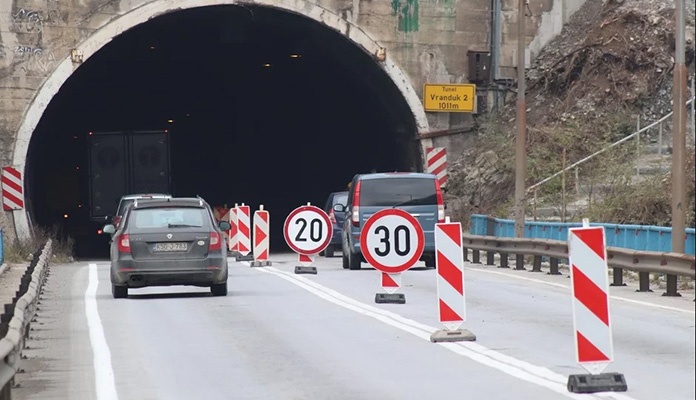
x: 476, y: 254
x: 504, y: 260
x: 536, y: 264
x: 554, y: 267
x: 644, y: 282
x: 618, y: 277
x: 490, y: 258
x: 671, y: 287
x: 519, y: 262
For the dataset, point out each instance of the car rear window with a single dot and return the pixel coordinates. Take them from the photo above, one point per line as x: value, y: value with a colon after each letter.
x: 124, y: 204
x: 164, y: 217
x: 340, y: 199
x: 397, y: 191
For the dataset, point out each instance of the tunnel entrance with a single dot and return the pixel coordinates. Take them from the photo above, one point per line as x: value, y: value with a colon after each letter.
x: 263, y: 106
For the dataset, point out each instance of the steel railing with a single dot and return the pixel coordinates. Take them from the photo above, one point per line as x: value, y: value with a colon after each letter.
x: 643, y: 262
x: 12, y: 343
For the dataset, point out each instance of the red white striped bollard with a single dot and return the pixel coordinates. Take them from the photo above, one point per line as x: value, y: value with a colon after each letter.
x: 451, y: 300
x: 261, y: 238
x: 12, y: 191
x: 233, y: 234
x: 594, y: 350
x: 244, y: 233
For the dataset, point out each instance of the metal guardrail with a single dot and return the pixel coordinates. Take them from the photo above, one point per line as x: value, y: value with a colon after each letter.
x: 634, y: 237
x: 12, y: 344
x: 643, y: 262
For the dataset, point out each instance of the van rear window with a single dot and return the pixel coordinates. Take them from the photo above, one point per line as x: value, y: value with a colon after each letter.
x: 397, y: 191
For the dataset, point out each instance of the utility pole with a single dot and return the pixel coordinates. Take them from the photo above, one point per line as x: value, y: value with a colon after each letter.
x: 521, y: 136
x: 679, y: 147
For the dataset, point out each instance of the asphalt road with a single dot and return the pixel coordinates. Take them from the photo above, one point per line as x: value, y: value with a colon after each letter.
x: 278, y: 335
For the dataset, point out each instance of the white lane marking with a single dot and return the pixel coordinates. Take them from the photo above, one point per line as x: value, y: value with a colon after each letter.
x: 562, y: 286
x: 103, y: 371
x: 519, y: 369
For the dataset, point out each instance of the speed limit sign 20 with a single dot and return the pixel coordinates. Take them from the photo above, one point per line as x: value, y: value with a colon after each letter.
x: 308, y: 230
x: 392, y: 240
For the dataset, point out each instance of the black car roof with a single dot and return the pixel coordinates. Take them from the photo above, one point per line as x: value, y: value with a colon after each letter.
x: 171, y: 202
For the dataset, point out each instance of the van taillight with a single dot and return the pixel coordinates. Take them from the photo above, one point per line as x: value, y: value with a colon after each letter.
x: 355, y: 209
x: 124, y: 244
x: 440, y: 203
x: 215, y: 242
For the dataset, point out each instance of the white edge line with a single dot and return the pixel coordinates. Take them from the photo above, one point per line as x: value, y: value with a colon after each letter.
x: 105, y: 384
x: 560, y: 285
x: 552, y: 381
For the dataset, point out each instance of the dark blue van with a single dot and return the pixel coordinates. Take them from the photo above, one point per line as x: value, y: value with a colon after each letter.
x: 416, y: 193
x: 336, y: 218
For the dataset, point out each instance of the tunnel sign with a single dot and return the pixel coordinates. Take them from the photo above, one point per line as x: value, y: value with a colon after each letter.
x: 308, y: 230
x: 449, y: 98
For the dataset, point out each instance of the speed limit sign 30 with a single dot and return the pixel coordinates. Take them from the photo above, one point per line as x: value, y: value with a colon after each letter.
x: 392, y: 241
x: 308, y: 231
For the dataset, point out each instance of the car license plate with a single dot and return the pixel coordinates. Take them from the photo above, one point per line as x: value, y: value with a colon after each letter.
x: 170, y: 247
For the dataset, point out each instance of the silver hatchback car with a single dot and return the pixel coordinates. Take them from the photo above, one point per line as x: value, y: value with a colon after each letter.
x: 165, y: 242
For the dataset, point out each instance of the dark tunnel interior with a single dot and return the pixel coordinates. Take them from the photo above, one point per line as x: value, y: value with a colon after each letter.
x: 262, y: 106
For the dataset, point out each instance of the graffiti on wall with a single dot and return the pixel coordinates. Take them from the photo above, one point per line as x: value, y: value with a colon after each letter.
x: 406, y: 12
x: 33, y: 21
x: 35, y: 58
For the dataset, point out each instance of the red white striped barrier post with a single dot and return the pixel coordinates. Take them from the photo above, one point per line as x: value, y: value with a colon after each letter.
x: 436, y: 158
x: 233, y: 230
x: 12, y: 189
x: 451, y: 300
x: 244, y: 233
x: 594, y: 350
x: 261, y: 238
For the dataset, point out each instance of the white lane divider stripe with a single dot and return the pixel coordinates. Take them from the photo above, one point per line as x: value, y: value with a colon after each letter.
x: 105, y: 384
x: 519, y: 369
x: 562, y: 286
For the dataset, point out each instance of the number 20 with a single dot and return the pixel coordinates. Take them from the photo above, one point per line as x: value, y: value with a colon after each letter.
x: 315, y: 230
x: 401, y: 239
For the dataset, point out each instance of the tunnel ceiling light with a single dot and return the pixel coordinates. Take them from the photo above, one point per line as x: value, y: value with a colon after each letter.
x: 65, y: 216
x: 152, y: 47
x: 171, y: 121
x: 295, y: 56
x: 266, y: 65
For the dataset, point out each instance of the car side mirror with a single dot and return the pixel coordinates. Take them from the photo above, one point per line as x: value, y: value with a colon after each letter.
x: 339, y: 207
x: 224, y: 225
x: 108, y: 228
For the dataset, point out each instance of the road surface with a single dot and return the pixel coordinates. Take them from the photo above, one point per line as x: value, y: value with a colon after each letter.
x: 278, y: 335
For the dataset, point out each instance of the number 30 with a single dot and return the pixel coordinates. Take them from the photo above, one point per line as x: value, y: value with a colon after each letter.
x: 402, y: 238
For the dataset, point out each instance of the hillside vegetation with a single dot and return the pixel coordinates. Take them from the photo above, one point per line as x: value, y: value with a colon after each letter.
x: 611, y: 64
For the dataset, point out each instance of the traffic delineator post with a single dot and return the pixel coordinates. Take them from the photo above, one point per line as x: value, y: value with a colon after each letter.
x: 233, y: 231
x: 451, y: 300
x: 244, y: 233
x: 261, y: 238
x: 591, y: 314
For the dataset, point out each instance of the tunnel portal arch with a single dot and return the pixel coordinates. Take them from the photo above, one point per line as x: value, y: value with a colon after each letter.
x: 155, y: 8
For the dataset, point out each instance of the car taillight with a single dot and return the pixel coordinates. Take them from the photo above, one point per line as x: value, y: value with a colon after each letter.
x: 440, y: 203
x: 355, y: 215
x: 124, y: 244
x: 215, y: 242
x: 332, y: 217
x: 117, y: 219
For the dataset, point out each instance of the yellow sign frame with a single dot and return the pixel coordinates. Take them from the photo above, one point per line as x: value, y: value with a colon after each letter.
x: 449, y: 97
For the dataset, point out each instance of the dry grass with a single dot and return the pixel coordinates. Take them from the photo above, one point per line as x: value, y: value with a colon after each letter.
x: 20, y: 251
